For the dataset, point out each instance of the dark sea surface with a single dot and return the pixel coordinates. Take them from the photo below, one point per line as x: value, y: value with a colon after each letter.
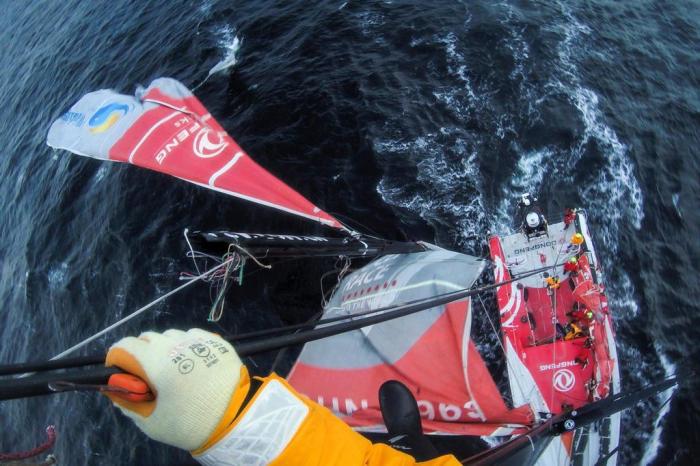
x: 419, y: 119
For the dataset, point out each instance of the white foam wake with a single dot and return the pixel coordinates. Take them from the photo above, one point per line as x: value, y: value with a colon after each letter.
x: 615, y: 184
x: 439, y: 193
x: 230, y: 43
x: 655, y: 444
x: 528, y: 177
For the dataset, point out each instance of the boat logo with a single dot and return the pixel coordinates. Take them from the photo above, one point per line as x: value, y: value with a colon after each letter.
x: 74, y: 118
x: 204, y: 147
x: 564, y: 380
x: 105, y: 117
x: 534, y: 247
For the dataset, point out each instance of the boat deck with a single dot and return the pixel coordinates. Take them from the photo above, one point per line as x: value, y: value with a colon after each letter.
x: 548, y: 370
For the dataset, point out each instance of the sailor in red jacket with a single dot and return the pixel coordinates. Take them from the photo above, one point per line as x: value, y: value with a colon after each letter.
x: 582, y: 315
x: 206, y: 402
x: 569, y: 217
x: 571, y: 265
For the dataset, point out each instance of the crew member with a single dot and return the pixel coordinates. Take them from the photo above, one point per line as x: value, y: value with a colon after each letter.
x: 573, y: 331
x: 208, y: 404
x: 577, y: 239
x: 569, y: 217
x: 552, y: 282
x: 591, y: 386
x: 571, y: 266
x: 582, y: 358
x: 584, y: 315
x: 575, y: 242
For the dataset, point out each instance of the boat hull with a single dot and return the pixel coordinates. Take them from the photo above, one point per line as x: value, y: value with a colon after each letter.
x: 551, y: 371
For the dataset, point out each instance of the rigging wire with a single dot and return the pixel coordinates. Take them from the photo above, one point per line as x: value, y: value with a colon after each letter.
x: 346, y: 323
x: 196, y: 267
x: 341, y: 270
x: 36, y: 451
x: 554, y: 344
x: 139, y: 311
x: 221, y: 279
x: 500, y: 343
x: 348, y: 219
x: 217, y: 308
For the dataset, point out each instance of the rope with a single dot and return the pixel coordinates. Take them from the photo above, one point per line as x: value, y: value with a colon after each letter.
x: 341, y: 270
x: 255, y: 259
x: 48, y: 461
x: 217, y: 308
x: 196, y: 267
x: 554, y: 346
x: 141, y: 310
x: 23, y: 455
x: 500, y: 343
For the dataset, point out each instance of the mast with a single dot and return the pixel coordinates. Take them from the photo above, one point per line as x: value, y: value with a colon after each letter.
x: 283, y: 246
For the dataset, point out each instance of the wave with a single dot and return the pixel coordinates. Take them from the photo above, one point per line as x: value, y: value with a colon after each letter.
x: 230, y: 43
x: 528, y: 177
x: 449, y: 188
x: 444, y: 192
x: 616, y: 182
x: 654, y: 444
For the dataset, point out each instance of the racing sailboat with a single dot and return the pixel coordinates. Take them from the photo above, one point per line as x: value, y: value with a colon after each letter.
x: 557, y: 329
x: 164, y: 127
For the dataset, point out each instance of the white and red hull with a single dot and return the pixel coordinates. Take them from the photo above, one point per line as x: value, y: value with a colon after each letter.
x: 550, y: 373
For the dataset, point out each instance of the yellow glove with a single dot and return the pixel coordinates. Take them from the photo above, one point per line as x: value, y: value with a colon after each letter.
x: 193, y: 376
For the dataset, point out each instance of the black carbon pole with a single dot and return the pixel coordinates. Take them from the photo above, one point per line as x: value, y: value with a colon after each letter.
x: 35, y: 385
x: 38, y: 384
x: 52, y: 364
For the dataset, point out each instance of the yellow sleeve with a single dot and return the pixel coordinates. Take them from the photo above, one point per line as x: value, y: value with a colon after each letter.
x: 384, y: 455
x: 319, y: 438
x: 325, y: 440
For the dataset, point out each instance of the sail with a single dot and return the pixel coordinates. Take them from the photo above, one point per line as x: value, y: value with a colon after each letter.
x: 588, y: 294
x: 167, y: 129
x: 431, y: 352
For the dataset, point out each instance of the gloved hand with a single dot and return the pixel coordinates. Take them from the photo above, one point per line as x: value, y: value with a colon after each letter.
x: 205, y: 402
x: 193, y: 375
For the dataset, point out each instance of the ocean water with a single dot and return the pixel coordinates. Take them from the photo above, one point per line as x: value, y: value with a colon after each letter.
x: 422, y: 120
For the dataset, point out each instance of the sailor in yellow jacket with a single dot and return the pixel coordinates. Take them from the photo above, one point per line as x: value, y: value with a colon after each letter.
x: 205, y: 402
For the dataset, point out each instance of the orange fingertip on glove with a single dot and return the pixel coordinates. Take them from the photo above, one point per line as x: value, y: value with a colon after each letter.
x: 119, y: 357
x: 193, y: 376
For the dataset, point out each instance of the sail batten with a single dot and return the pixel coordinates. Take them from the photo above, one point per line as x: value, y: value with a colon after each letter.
x: 165, y: 128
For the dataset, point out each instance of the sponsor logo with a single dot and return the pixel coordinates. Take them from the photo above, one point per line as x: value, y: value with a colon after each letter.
x: 431, y: 410
x: 106, y: 117
x: 206, y: 144
x: 549, y: 367
x: 377, y: 271
x: 564, y: 380
x: 178, y: 139
x: 74, y: 118
x: 534, y: 247
x: 204, y: 147
x: 270, y: 236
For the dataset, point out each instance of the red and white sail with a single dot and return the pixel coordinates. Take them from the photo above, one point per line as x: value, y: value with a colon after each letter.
x: 167, y: 129
x: 431, y: 352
